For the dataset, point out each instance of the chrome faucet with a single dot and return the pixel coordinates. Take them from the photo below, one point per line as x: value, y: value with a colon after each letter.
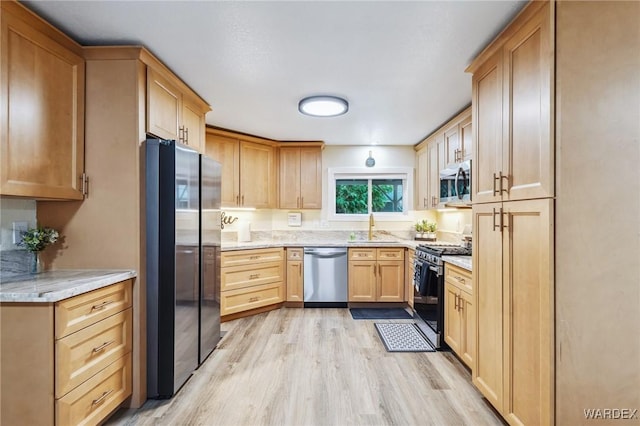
x: 371, y: 225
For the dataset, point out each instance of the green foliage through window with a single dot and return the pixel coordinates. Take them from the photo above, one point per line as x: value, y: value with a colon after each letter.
x: 352, y: 195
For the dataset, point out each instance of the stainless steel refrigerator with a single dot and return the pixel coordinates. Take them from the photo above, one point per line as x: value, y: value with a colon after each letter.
x: 182, y: 206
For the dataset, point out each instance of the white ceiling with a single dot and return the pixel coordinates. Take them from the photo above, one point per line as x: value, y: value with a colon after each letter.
x: 399, y: 64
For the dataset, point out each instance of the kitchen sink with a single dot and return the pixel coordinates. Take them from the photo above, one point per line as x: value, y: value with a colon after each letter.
x: 372, y: 241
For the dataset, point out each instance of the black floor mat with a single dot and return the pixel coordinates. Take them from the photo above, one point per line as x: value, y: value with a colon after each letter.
x: 379, y: 313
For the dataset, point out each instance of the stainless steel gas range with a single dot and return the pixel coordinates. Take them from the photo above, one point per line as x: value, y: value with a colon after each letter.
x: 428, y: 283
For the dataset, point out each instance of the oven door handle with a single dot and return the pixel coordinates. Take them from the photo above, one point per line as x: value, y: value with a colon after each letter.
x: 433, y: 268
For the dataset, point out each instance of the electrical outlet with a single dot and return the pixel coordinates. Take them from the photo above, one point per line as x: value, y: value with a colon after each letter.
x: 18, y: 229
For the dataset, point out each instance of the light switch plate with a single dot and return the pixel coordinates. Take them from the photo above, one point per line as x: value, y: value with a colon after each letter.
x: 294, y: 219
x: 18, y: 229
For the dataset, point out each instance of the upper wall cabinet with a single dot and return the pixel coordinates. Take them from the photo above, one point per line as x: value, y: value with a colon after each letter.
x: 248, y: 168
x: 512, y: 95
x: 42, y: 109
x: 172, y: 113
x: 449, y: 144
x: 300, y: 177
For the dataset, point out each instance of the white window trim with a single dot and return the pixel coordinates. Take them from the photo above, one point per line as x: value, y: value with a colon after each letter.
x: 404, y: 173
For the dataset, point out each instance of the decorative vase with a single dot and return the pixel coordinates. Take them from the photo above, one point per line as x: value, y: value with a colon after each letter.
x: 36, y: 266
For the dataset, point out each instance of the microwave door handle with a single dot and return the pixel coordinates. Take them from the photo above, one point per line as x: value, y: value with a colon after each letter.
x: 455, y: 185
x: 460, y: 194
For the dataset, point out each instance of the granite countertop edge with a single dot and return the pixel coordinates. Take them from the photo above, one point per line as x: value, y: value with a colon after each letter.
x: 53, y: 286
x: 231, y: 246
x: 461, y: 261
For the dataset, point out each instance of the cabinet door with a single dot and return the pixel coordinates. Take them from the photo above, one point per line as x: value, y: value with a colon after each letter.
x: 466, y: 139
x: 528, y: 158
x: 163, y: 106
x: 487, y: 129
x: 257, y: 175
x: 467, y: 329
x: 193, y: 125
x: 41, y: 114
x: 451, y: 145
x: 528, y: 311
x: 452, y: 325
x: 422, y: 185
x: 488, y: 301
x: 433, y: 195
x: 390, y: 286
x: 310, y: 178
x: 362, y: 281
x: 289, y: 178
x: 295, y: 291
x: 409, y: 272
x: 226, y: 151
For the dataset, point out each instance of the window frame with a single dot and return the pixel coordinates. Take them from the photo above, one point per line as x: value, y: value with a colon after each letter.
x: 403, y: 173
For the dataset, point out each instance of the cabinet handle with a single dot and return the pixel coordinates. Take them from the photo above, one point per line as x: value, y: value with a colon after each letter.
x: 374, y: 270
x: 462, y: 280
x: 101, y: 306
x: 301, y: 202
x: 181, y: 134
x: 494, y: 219
x: 455, y: 303
x: 502, y: 177
x: 254, y: 257
x: 254, y: 276
x: 186, y: 135
x: 503, y: 224
x: 424, y: 202
x: 101, y: 398
x: 298, y: 202
x: 242, y: 200
x: 238, y: 200
x: 495, y: 178
x: 254, y: 299
x: 102, y: 346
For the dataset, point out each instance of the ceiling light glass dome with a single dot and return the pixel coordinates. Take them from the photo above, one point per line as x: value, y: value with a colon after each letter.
x: 323, y: 106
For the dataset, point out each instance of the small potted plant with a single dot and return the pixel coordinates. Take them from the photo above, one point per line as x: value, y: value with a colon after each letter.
x: 419, y: 230
x: 35, y: 240
x: 430, y: 229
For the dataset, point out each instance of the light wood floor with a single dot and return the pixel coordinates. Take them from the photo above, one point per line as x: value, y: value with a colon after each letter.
x: 317, y: 367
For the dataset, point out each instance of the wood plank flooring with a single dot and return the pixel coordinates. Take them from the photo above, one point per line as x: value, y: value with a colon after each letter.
x: 317, y: 367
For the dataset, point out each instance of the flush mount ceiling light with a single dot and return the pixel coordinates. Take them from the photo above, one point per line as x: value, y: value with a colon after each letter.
x: 323, y: 106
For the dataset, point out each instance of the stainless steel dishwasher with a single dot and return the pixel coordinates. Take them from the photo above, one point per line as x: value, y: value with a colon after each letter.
x: 325, y: 276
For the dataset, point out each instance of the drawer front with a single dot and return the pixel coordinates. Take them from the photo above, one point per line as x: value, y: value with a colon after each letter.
x: 82, y: 354
x: 241, y: 277
x: 459, y: 277
x: 81, y: 311
x: 362, y: 254
x: 295, y: 254
x: 251, y: 257
x: 391, y: 253
x: 92, y: 401
x: 234, y: 301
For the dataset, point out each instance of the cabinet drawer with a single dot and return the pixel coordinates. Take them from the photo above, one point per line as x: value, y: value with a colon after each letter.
x: 90, y: 402
x: 362, y: 254
x: 240, y: 300
x: 391, y: 253
x: 250, y: 257
x: 459, y: 277
x: 295, y: 254
x: 81, y: 311
x: 82, y: 354
x: 241, y: 277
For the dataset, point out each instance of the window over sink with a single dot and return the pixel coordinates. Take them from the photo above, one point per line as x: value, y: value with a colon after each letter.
x: 355, y: 193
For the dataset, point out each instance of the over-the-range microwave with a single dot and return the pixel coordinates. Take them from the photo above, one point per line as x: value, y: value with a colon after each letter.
x: 455, y: 185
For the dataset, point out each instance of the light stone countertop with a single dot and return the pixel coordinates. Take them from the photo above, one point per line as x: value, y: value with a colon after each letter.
x: 52, y: 286
x: 230, y: 246
x: 461, y: 261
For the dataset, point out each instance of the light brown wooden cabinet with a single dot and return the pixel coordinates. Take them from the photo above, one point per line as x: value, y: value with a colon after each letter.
x: 173, y: 114
x: 42, y: 98
x: 449, y: 144
x: 248, y: 168
x: 376, y: 275
x: 512, y: 98
x: 409, y: 273
x: 69, y: 362
x: 459, y: 321
x: 513, y: 297
x: 295, y: 274
x: 300, y: 178
x: 251, y: 279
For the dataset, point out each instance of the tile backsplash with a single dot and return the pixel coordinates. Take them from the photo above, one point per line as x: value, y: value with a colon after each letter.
x: 13, y: 259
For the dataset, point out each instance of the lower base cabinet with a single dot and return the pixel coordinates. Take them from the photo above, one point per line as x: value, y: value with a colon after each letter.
x: 251, y: 279
x: 69, y: 362
x: 295, y: 275
x: 376, y: 275
x: 459, y: 320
